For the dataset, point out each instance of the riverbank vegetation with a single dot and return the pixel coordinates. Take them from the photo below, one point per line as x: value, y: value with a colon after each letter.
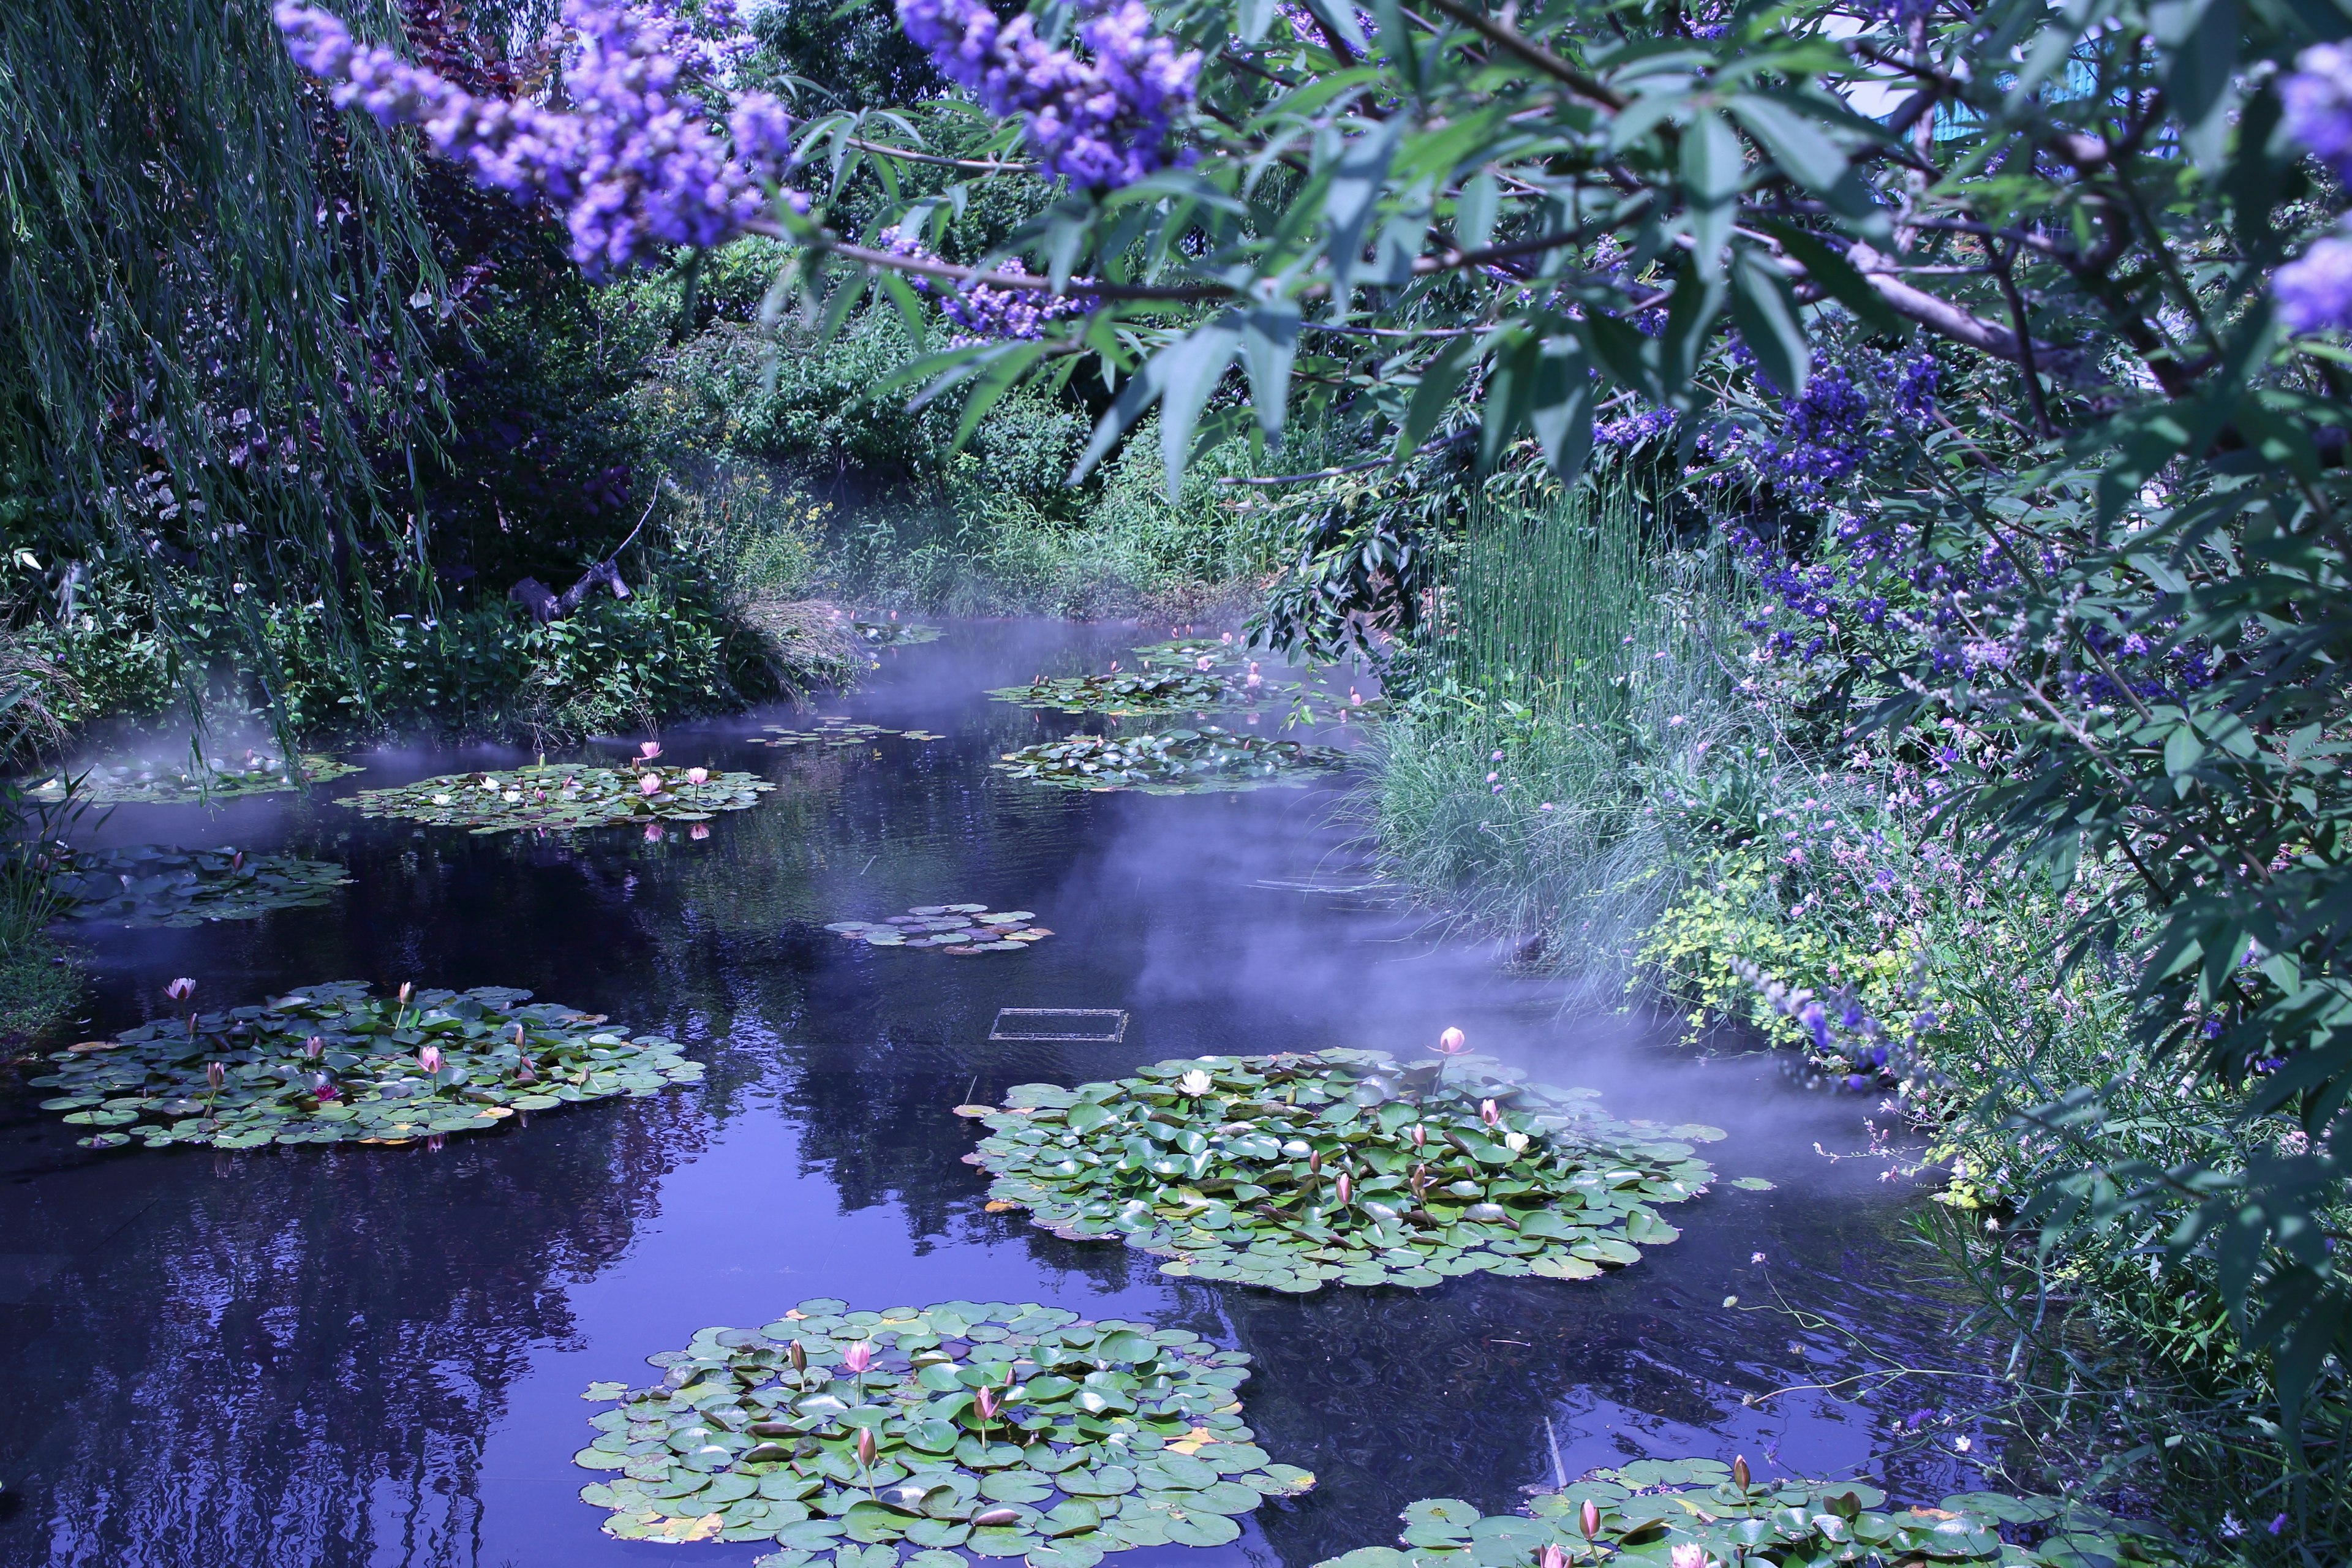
x: 1846, y: 500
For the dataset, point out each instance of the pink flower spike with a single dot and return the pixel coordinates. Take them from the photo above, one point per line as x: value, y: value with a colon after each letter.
x: 180, y: 990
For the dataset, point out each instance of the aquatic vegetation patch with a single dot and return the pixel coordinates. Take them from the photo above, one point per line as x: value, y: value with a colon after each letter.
x: 961, y: 928
x: 1189, y: 652
x: 836, y: 733
x: 1700, y: 1511
x: 156, y: 885
x: 894, y: 634
x: 1293, y: 1172
x: 154, y: 784
x: 1003, y: 1430
x: 332, y: 1064
x: 1175, y: 761
x: 564, y: 797
x: 1135, y: 691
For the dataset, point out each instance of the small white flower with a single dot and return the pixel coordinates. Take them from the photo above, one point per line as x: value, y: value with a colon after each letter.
x: 1517, y: 1142
x: 1194, y: 1083
x: 440, y: 800
x: 1961, y: 1444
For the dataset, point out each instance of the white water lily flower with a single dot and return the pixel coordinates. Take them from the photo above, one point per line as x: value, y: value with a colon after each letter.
x: 1194, y: 1083
x: 440, y: 800
x: 1517, y: 1142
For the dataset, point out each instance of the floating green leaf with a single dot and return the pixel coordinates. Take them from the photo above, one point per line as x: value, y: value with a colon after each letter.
x: 1189, y: 652
x: 564, y: 797
x: 1175, y: 761
x: 1139, y: 691
x: 1654, y: 1511
x: 154, y: 885
x: 835, y: 731
x: 959, y: 929
x: 1292, y: 1171
x: 1007, y: 1430
x: 332, y: 1064
x: 894, y: 634
x: 153, y: 784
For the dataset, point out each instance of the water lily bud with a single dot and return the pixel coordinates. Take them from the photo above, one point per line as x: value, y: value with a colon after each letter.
x: 1453, y: 1043
x: 180, y: 990
x: 407, y: 988
x: 524, y: 1074
x: 1420, y: 1136
x: 797, y: 1356
x: 649, y: 784
x: 315, y: 1046
x: 1343, y: 1187
x: 1517, y: 1142
x: 1315, y: 1160
x: 1739, y: 1470
x: 697, y: 775
x: 984, y: 1401
x: 517, y: 1036
x: 429, y: 1059
x: 1587, y: 1519
x: 858, y: 1357
x: 865, y: 1445
x: 1487, y: 1112
x: 1551, y: 1557
x: 1689, y: 1554
x: 215, y: 1074
x: 1420, y: 1180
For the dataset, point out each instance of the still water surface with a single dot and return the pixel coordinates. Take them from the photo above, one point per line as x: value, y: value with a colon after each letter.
x: 374, y: 1356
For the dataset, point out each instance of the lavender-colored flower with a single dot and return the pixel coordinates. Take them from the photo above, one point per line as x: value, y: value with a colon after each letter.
x: 2315, y: 293
x: 636, y: 165
x: 1099, y: 123
x: 2317, y: 100
x: 982, y: 313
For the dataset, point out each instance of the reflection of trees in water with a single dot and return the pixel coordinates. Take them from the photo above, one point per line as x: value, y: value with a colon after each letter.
x: 293, y: 1358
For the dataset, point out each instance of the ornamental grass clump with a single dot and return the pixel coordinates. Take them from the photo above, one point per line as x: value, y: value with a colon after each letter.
x: 1006, y: 1430
x: 1291, y: 1171
x: 331, y: 1064
x: 564, y: 797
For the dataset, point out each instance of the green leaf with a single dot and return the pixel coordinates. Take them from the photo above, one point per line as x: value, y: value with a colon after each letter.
x: 1561, y: 412
x: 1439, y: 379
x: 1837, y: 276
x: 1269, y: 345
x: 1713, y: 170
x: 1766, y: 309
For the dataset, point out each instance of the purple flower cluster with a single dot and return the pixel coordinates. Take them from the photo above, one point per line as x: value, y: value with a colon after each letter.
x: 634, y: 163
x: 1635, y: 428
x: 1099, y: 123
x: 1826, y: 439
x: 2314, y: 292
x: 982, y: 313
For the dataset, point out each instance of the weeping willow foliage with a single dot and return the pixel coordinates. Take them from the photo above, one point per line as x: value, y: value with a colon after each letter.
x: 218, y: 295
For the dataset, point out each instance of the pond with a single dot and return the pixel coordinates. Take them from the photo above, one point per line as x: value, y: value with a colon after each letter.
x: 376, y: 1356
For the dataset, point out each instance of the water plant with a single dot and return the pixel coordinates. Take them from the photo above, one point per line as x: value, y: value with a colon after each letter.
x: 157, y: 784
x: 1700, y: 1513
x: 961, y: 928
x: 1149, y: 690
x: 1174, y: 761
x: 1195, y: 653
x: 333, y: 1064
x: 1291, y: 1171
x: 835, y: 731
x: 1007, y: 1430
x: 894, y: 634
x: 157, y: 885
x: 564, y: 797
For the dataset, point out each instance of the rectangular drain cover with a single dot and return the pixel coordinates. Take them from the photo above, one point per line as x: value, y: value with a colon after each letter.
x: 1085, y: 1025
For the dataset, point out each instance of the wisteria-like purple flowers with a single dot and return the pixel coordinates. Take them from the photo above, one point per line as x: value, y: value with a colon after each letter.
x: 980, y: 311
x: 634, y: 164
x: 1100, y: 122
x: 2315, y: 293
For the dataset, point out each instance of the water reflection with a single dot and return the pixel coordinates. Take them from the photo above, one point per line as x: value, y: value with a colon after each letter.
x: 374, y: 1356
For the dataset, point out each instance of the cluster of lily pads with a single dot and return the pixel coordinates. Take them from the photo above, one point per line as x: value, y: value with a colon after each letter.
x: 1006, y: 1430
x: 958, y: 928
x: 1174, y: 761
x: 564, y: 797
x: 1291, y: 1171
x: 154, y: 784
x: 1191, y: 652
x: 835, y: 731
x: 894, y: 634
x: 155, y: 885
x: 1700, y: 1511
x: 1147, y: 691
x: 333, y: 1064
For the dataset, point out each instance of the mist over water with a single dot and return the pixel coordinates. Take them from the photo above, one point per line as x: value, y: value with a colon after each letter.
x: 352, y: 1355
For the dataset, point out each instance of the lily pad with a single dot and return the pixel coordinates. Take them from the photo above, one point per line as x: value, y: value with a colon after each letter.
x: 564, y: 797
x: 331, y: 1064
x: 1147, y: 690
x: 894, y: 634
x: 958, y: 928
x: 1699, y: 1510
x: 1187, y: 653
x: 155, y: 885
x: 153, y: 784
x: 1191, y: 761
x: 1003, y: 1429
x: 1291, y: 1171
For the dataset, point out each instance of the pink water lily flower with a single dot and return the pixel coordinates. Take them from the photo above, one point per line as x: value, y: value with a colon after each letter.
x: 858, y: 1357
x: 984, y: 1401
x: 180, y: 990
x: 1488, y: 1113
x: 315, y: 1046
x: 697, y: 775
x: 429, y: 1059
x: 701, y: 830
x: 1453, y: 1043
x: 649, y: 784
x: 650, y: 749
x: 654, y: 834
